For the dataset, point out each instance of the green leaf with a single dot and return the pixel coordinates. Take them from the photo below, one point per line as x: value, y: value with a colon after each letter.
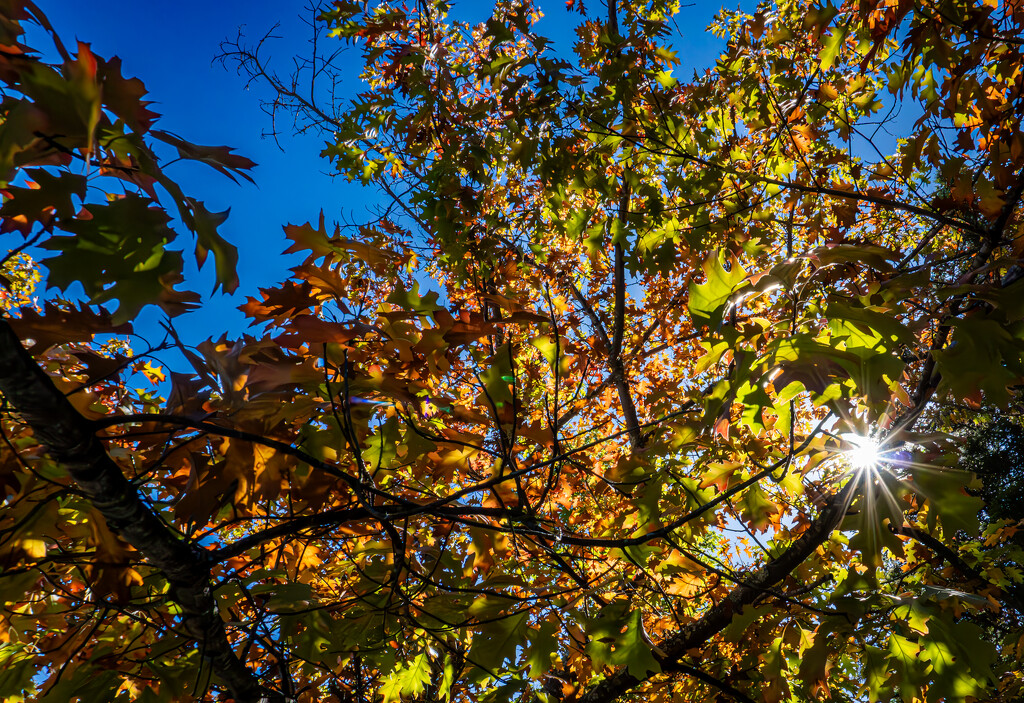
x: 497, y: 378
x: 411, y: 300
x: 391, y: 687
x: 217, y: 157
x: 833, y: 43
x: 54, y: 191
x: 756, y: 508
x: 815, y: 659
x: 617, y: 639
x: 548, y: 348
x: 70, y: 99
x: 543, y: 645
x: 666, y: 79
x: 86, y: 683
x: 736, y: 628
x: 903, y: 656
x: 985, y: 355
x: 313, y: 641
x: 414, y: 678
x: 878, y: 258
x: 118, y: 252
x: 876, y: 674
x: 382, y: 447
x: 946, y: 492
x: 885, y: 326
x: 755, y: 400
x: 444, y: 689
x: 708, y: 300
x: 17, y: 669
x: 498, y: 640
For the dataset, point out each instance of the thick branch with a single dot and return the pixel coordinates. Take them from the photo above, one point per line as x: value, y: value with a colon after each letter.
x: 70, y: 440
x: 749, y: 592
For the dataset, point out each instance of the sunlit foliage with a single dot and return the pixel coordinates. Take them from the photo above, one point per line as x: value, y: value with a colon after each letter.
x: 582, y: 415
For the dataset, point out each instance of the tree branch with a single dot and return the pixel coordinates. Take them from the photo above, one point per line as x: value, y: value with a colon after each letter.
x: 749, y: 592
x: 1009, y: 594
x: 70, y: 440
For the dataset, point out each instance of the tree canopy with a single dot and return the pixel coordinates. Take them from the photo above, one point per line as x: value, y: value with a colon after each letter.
x: 638, y: 387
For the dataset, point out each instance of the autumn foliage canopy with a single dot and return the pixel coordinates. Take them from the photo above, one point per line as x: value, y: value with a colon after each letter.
x: 640, y: 387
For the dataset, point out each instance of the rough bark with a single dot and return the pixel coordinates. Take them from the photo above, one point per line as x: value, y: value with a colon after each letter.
x: 71, y: 440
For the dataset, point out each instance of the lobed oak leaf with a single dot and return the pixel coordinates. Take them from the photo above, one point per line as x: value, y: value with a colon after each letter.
x: 267, y: 376
x: 205, y: 223
x: 155, y: 374
x: 211, y: 486
x: 316, y: 241
x: 470, y: 327
x: 326, y: 281
x: 47, y: 196
x: 380, y: 259
x: 64, y: 325
x: 498, y: 640
x: 70, y: 98
x: 758, y: 509
x: 118, y: 251
x: 187, y: 396
x: 110, y: 572
x: 320, y: 245
x: 412, y: 301
x: 617, y: 638
x: 720, y: 475
x: 707, y: 301
x: 25, y: 143
x: 305, y: 330
x: 878, y: 258
x: 286, y: 301
x: 123, y: 96
x: 217, y: 157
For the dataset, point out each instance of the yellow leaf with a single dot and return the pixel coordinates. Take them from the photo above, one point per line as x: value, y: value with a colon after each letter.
x: 34, y: 548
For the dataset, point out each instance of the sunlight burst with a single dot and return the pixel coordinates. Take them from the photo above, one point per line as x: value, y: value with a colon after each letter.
x: 864, y: 454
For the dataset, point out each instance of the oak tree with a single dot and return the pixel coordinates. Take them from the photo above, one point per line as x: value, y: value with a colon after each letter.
x: 638, y: 387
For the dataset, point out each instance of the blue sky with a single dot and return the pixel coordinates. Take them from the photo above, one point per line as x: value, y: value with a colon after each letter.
x: 171, y: 47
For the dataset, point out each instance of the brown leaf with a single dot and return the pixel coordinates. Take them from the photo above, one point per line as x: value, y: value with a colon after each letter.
x: 99, y: 367
x: 218, y: 157
x: 316, y: 241
x: 307, y: 329
x: 326, y: 280
x: 110, y: 571
x: 269, y: 376
x: 287, y: 300
x: 209, y: 488
x: 59, y: 325
x: 187, y: 396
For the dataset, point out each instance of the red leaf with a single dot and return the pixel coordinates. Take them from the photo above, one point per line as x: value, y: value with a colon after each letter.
x: 123, y: 96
